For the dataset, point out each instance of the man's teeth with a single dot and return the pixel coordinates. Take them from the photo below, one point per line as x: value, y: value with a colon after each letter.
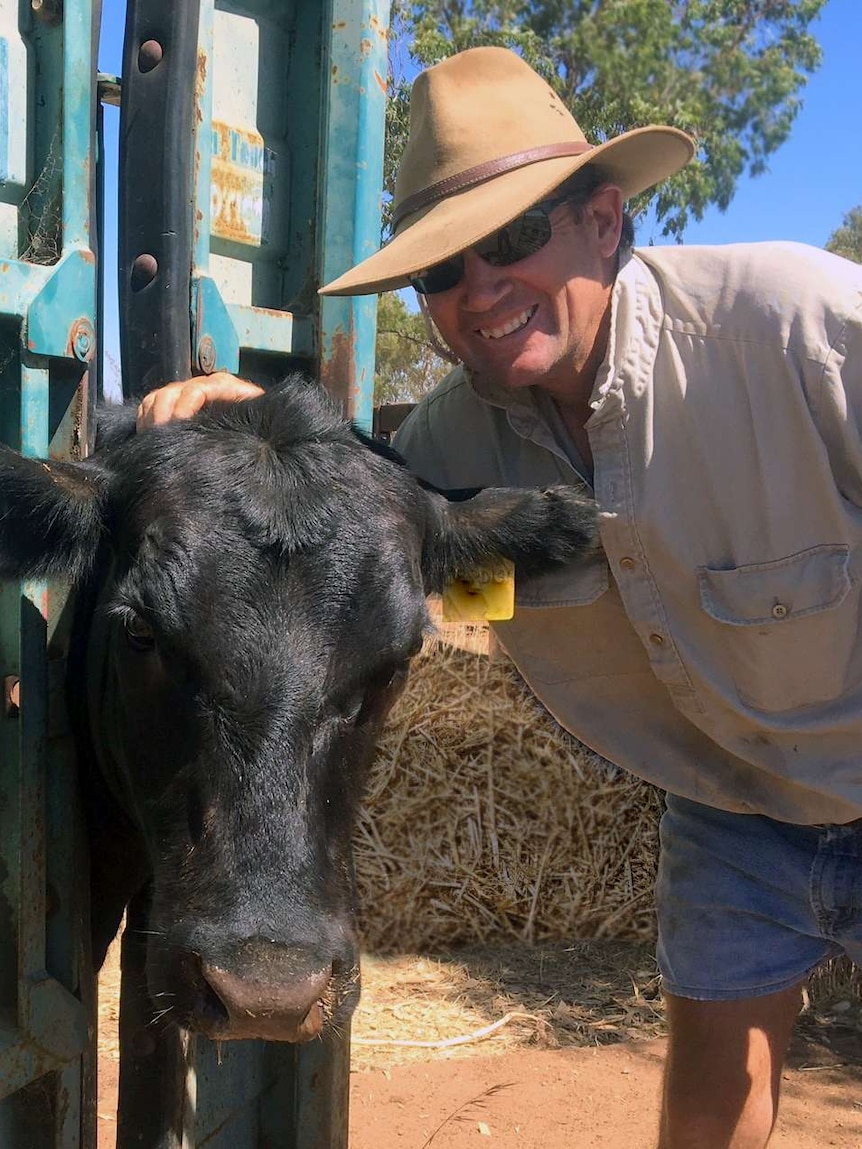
x: 507, y: 328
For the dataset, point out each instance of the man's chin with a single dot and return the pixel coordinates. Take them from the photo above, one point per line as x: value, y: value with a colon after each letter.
x: 513, y: 376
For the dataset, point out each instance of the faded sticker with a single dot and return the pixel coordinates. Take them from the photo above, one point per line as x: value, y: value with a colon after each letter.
x: 243, y: 168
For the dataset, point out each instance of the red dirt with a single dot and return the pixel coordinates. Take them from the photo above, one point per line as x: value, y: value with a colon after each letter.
x: 601, y: 1098
x: 570, y: 1099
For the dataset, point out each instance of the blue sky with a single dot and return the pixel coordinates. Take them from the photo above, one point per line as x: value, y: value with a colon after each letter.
x: 814, y: 179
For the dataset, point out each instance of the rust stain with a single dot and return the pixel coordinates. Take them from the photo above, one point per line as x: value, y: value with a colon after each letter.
x: 335, y: 69
x: 275, y: 312
x: 341, y: 24
x: 338, y: 372
x: 88, y: 256
x: 381, y: 83
x: 200, y: 85
x: 365, y: 47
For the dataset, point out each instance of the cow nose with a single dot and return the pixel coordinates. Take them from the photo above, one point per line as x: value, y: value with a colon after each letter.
x: 291, y: 1009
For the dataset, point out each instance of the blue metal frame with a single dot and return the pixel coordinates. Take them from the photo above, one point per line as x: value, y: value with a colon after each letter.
x: 48, y: 316
x: 339, y: 65
x: 355, y: 69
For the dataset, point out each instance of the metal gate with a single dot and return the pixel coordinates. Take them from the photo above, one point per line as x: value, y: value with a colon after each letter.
x: 252, y: 140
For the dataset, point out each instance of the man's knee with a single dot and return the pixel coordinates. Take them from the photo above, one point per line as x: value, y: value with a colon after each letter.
x: 724, y: 1070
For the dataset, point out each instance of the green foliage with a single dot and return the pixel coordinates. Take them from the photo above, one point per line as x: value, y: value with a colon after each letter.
x: 407, y: 366
x: 730, y: 72
x: 847, y: 239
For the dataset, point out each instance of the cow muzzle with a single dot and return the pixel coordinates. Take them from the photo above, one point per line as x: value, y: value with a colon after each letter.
x: 262, y: 989
x: 267, y: 1006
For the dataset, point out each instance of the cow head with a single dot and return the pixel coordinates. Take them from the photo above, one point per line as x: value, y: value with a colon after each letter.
x: 262, y: 575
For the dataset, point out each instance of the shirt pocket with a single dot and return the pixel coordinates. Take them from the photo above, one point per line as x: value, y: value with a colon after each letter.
x: 788, y: 627
x: 577, y: 584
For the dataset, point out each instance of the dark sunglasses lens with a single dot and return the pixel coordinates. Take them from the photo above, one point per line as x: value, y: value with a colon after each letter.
x: 440, y: 277
x: 522, y: 237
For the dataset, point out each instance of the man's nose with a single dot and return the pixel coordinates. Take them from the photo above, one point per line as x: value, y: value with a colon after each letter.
x: 484, y: 285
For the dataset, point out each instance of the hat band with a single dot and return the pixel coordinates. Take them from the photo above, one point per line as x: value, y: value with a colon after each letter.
x: 482, y: 172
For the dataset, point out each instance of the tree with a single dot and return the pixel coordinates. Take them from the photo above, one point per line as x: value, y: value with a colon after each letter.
x: 407, y: 365
x: 730, y: 72
x: 847, y: 239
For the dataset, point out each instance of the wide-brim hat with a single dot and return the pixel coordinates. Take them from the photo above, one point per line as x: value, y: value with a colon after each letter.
x: 489, y: 138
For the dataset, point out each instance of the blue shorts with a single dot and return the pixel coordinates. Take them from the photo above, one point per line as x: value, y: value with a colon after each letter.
x: 748, y: 906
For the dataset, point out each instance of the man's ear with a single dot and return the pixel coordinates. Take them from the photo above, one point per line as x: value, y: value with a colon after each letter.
x: 50, y: 516
x: 536, y: 530
x: 606, y: 209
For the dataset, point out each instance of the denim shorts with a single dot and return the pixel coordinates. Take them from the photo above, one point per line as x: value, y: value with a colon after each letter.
x: 748, y: 906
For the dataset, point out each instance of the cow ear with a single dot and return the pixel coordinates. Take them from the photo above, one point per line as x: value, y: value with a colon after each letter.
x: 50, y: 516
x: 536, y: 529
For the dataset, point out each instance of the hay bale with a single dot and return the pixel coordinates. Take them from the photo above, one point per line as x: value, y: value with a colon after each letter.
x: 485, y: 822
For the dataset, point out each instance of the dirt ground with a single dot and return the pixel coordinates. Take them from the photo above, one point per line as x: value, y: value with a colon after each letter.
x: 575, y: 1064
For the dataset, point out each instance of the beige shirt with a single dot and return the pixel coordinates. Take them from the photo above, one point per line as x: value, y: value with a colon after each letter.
x: 716, y: 650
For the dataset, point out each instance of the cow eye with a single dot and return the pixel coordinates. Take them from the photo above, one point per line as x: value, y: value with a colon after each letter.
x: 139, y: 634
x: 376, y: 694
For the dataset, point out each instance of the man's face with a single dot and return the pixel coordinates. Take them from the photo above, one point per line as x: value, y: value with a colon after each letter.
x: 541, y: 321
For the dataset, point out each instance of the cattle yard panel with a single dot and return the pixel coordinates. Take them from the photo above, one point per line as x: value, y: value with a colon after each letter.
x: 47, y: 342
x: 250, y: 172
x: 288, y: 163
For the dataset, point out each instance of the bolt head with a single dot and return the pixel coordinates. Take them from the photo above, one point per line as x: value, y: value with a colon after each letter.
x: 206, y: 355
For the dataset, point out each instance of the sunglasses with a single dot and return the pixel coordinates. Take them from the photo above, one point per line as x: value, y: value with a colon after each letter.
x: 523, y: 236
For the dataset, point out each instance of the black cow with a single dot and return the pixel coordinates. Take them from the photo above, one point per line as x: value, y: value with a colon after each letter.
x: 251, y: 589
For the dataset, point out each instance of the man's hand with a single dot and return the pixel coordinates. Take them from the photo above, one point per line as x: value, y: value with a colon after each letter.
x: 183, y: 399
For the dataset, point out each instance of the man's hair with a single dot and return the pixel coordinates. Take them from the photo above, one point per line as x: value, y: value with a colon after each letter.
x: 578, y: 190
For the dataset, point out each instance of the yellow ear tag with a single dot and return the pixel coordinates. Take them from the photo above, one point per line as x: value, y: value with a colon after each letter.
x: 487, y: 597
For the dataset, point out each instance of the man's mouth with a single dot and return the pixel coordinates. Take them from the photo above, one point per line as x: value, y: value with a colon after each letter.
x: 514, y: 324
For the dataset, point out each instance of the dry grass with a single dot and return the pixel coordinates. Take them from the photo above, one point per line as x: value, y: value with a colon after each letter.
x: 590, y: 993
x: 485, y: 821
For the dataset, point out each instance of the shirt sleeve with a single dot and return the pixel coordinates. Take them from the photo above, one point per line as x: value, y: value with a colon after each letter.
x: 836, y: 400
x: 421, y: 436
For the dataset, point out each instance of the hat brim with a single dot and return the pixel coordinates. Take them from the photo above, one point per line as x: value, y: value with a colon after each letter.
x: 635, y: 161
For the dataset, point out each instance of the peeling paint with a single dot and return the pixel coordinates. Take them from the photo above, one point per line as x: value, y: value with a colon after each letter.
x: 337, y: 371
x: 200, y: 85
x: 238, y: 204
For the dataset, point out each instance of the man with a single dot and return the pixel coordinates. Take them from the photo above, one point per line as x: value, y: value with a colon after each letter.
x: 713, y: 398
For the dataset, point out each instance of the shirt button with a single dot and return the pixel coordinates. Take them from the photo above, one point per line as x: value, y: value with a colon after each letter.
x: 627, y: 563
x: 780, y: 610
x: 657, y: 639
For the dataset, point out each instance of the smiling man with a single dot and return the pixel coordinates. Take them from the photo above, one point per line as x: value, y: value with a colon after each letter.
x: 712, y: 397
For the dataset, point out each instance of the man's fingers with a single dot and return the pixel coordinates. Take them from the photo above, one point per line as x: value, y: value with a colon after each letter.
x: 185, y: 398
x: 221, y: 385
x: 186, y: 401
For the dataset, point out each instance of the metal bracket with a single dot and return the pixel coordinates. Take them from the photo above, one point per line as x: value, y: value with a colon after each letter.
x: 215, y: 337
x: 58, y: 320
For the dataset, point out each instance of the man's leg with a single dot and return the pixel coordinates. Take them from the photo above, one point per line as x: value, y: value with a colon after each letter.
x: 723, y: 1070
